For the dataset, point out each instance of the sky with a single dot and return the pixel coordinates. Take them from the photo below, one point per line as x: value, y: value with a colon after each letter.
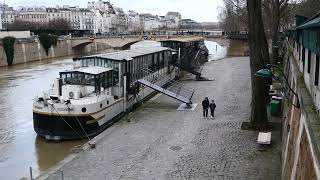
x: 199, y: 10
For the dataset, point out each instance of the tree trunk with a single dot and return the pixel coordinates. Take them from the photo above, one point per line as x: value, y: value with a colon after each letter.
x: 258, y: 57
x: 275, y: 30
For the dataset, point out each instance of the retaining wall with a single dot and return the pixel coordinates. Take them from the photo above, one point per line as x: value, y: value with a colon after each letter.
x: 27, y: 50
x: 301, y: 133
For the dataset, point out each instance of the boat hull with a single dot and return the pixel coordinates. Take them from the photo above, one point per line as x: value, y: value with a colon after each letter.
x: 55, y: 127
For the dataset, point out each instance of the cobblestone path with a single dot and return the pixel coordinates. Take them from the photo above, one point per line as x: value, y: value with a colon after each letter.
x: 158, y: 142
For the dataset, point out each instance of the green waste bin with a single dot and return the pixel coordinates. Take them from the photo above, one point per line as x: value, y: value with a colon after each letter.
x: 275, y: 107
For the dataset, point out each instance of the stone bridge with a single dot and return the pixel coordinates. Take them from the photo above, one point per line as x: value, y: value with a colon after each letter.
x: 125, y: 42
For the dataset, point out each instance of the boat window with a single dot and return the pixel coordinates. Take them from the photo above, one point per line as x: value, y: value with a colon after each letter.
x: 100, y: 62
x: 84, y: 62
x: 115, y: 77
x: 103, y: 78
x: 106, y: 79
x: 76, y: 78
x: 88, y: 79
x: 63, y: 77
x: 68, y: 79
x: 143, y: 63
x: 161, y: 60
x: 156, y: 60
x: 90, y: 62
x: 97, y: 83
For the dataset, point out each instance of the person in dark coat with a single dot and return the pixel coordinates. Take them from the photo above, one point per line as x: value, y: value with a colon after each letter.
x: 205, y: 106
x: 212, y: 106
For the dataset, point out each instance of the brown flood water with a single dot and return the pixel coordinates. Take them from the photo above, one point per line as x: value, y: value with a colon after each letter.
x: 20, y: 148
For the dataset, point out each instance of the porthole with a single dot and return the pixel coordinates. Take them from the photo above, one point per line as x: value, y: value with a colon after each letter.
x: 100, y: 105
x: 108, y: 102
x: 84, y: 109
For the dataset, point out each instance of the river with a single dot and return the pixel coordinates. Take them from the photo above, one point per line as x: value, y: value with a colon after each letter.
x: 19, y: 145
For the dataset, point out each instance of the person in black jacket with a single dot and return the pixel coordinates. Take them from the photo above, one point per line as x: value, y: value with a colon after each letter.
x: 205, y: 106
x: 212, y: 108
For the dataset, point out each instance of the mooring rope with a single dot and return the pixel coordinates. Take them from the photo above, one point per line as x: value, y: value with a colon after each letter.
x: 66, y: 122
x: 82, y: 128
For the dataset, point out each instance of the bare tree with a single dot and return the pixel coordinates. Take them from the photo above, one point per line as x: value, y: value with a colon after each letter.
x: 19, y: 25
x: 233, y: 17
x: 307, y: 8
x: 59, y: 24
x: 273, y: 11
x: 53, y: 25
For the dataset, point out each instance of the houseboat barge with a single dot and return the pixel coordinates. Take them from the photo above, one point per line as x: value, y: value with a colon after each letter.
x: 88, y: 98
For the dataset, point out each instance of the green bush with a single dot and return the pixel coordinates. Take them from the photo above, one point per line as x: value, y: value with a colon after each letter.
x: 8, y: 45
x: 48, y: 40
x: 54, y: 39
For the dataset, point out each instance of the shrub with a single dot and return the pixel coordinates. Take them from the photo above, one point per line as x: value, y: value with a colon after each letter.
x: 48, y: 40
x: 8, y: 45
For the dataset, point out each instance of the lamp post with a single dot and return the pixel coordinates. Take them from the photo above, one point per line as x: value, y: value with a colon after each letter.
x: 267, y: 73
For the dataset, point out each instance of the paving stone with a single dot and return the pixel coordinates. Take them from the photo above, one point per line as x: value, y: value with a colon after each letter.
x: 162, y: 143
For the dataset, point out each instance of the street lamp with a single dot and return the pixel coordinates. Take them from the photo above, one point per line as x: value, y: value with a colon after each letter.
x: 267, y: 73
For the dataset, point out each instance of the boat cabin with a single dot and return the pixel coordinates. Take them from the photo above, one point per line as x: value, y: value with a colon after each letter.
x: 182, y: 43
x: 188, y: 49
x: 83, y: 81
x: 129, y: 64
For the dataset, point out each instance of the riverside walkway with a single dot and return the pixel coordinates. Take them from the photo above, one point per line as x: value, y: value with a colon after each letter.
x: 158, y: 142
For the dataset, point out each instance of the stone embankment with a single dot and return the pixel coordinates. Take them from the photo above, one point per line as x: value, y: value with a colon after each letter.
x: 30, y: 49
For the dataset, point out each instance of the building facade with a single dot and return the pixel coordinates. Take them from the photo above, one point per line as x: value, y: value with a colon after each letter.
x: 79, y: 18
x: 7, y: 16
x: 98, y: 18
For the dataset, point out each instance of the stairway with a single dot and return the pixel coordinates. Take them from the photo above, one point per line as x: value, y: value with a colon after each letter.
x: 188, y: 69
x: 185, y: 67
x: 167, y: 86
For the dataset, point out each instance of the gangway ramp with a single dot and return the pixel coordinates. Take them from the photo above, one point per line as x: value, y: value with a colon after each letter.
x: 167, y: 86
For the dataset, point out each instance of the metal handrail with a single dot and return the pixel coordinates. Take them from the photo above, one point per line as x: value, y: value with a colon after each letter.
x: 182, y: 89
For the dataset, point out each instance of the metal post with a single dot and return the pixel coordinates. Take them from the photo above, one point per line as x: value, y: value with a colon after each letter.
x: 62, y: 178
x: 125, y: 92
x: 30, y: 168
x: 179, y: 55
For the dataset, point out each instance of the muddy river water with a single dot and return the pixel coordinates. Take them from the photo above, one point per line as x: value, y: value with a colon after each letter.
x: 20, y: 148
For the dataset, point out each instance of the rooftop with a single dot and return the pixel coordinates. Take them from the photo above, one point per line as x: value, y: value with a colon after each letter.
x: 129, y: 54
x: 313, y: 22
x: 90, y: 70
x: 190, y: 39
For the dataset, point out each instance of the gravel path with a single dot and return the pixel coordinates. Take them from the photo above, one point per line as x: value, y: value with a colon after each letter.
x: 158, y: 142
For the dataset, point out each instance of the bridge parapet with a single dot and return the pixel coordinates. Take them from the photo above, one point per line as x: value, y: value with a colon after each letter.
x: 125, y: 41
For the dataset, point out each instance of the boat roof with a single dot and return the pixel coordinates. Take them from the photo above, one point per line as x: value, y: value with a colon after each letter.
x: 129, y: 54
x: 89, y: 70
x: 184, y: 39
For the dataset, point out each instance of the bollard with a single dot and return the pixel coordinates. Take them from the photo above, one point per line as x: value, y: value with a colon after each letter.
x: 30, y: 168
x: 62, y: 178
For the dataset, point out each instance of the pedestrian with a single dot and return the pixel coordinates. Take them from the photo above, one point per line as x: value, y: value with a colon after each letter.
x: 212, y: 108
x: 205, y: 106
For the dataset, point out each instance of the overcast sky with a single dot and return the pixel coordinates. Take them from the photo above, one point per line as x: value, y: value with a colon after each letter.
x: 199, y: 10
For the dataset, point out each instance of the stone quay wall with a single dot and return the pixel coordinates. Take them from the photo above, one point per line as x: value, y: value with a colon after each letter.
x: 301, y: 126
x: 27, y: 50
